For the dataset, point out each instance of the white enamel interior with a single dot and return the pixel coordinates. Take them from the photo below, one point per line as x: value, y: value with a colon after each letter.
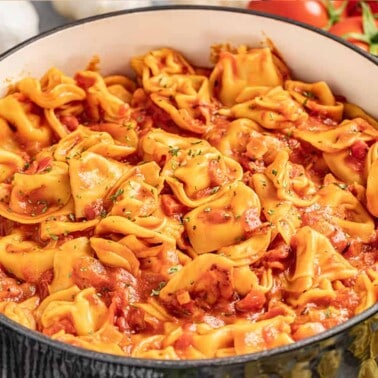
x: 115, y: 39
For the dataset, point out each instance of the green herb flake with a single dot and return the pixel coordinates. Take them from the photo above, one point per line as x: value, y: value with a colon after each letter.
x: 115, y: 196
x: 341, y: 185
x: 174, y: 150
x: 240, y: 238
x: 214, y: 190
x: 53, y: 237
x: 308, y: 94
x: 173, y: 269
x: 155, y: 292
x: 327, y: 312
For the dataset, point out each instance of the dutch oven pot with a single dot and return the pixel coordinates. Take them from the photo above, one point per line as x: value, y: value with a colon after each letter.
x: 348, y: 350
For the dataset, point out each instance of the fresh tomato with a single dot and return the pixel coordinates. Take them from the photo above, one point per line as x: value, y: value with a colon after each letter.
x: 321, y: 14
x: 362, y: 31
x: 354, y: 7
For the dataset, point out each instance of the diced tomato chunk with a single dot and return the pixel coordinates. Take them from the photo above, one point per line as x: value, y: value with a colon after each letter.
x: 88, y: 272
x: 70, y: 121
x: 171, y: 206
x: 44, y: 164
x: 62, y: 324
x: 44, y: 282
x: 254, y: 301
x: 84, y: 81
x: 122, y: 112
x: 359, y: 150
x: 184, y: 341
x: 93, y: 210
x: 218, y: 216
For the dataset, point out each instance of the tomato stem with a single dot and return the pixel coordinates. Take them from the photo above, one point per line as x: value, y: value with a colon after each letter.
x: 368, y: 20
x: 374, y: 49
x: 370, y: 30
x: 357, y: 36
x: 334, y: 14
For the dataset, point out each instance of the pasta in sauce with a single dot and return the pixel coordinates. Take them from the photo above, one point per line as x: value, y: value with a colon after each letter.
x: 188, y: 213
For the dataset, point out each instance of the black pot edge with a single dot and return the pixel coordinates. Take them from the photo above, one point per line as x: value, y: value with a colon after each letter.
x: 185, y: 364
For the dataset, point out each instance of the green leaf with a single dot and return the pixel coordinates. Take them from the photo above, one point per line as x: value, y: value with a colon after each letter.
x: 155, y: 292
x: 118, y: 193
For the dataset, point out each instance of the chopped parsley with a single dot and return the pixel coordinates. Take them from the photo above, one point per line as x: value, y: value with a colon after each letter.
x: 53, y: 236
x: 308, y: 94
x: 115, y: 196
x: 174, y: 150
x: 173, y: 269
x: 44, y: 204
x: 155, y: 292
x: 214, y: 190
x: 341, y: 185
x: 327, y: 313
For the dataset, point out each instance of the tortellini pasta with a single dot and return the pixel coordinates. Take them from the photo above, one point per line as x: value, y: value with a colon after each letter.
x: 187, y: 212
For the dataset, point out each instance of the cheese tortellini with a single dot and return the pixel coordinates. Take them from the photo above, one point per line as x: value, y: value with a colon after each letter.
x: 187, y: 212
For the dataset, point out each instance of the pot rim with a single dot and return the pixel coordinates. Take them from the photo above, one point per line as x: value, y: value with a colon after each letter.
x: 185, y: 364
x: 154, y: 8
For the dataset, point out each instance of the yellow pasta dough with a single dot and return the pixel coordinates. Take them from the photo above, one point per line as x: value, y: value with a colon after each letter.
x: 186, y: 212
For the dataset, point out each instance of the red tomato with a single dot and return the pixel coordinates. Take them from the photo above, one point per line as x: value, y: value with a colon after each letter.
x: 321, y: 14
x: 359, y: 150
x: 84, y: 81
x: 171, y: 206
x: 253, y: 302
x: 354, y: 31
x: 94, y: 209
x: 184, y: 341
x: 70, y: 121
x: 354, y: 7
